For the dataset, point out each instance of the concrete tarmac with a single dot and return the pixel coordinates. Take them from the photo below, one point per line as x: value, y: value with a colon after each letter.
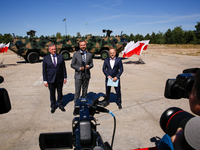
x: 143, y: 101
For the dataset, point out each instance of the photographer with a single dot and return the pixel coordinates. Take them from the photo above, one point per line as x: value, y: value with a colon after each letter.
x: 194, y: 100
x: 178, y: 139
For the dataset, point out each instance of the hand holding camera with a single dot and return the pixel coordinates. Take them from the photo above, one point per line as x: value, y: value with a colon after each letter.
x: 181, y: 126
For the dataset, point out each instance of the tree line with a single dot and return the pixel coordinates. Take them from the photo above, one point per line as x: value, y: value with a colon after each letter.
x: 175, y: 36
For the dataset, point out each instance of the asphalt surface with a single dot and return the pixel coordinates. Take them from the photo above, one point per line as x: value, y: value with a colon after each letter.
x: 143, y: 101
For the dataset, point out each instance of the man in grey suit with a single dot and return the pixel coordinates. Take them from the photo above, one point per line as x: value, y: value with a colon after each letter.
x: 82, y: 63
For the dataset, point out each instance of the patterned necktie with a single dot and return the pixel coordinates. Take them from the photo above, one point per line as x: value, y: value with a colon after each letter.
x: 83, y: 57
x: 54, y: 60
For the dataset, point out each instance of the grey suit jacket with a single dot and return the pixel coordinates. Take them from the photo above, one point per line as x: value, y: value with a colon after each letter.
x: 77, y: 62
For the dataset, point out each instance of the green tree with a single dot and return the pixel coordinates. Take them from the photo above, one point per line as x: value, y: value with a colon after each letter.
x: 190, y: 37
x: 147, y: 37
x: 153, y: 38
x: 160, y: 38
x: 78, y: 35
x: 169, y: 39
x: 139, y: 37
x: 1, y: 38
x: 178, y: 35
x: 197, y: 32
x: 58, y: 35
x: 19, y: 37
x: 88, y: 35
x: 64, y: 36
x: 6, y: 38
x: 131, y: 37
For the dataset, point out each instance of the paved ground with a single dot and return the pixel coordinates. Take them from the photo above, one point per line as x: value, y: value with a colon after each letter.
x: 137, y: 123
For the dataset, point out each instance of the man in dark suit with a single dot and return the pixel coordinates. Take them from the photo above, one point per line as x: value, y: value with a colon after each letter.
x: 54, y: 75
x: 82, y: 63
x: 113, y: 68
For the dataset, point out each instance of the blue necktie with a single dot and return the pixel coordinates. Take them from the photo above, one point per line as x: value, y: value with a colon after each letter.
x: 54, y: 60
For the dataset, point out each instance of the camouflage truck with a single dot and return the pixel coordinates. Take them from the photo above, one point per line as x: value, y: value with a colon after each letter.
x: 31, y: 49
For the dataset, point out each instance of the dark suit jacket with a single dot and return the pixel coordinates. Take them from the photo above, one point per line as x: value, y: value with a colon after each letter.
x: 117, y: 69
x: 77, y: 62
x: 50, y: 72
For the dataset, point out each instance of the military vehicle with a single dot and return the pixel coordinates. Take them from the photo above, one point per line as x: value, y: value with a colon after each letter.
x: 31, y: 48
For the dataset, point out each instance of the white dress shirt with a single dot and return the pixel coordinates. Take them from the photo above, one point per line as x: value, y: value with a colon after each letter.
x: 52, y: 58
x: 112, y: 62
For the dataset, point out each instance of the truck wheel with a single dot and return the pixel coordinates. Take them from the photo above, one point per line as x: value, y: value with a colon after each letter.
x: 33, y: 57
x: 104, y: 54
x: 65, y: 54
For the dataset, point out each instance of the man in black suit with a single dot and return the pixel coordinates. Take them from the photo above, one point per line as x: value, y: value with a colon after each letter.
x: 82, y: 63
x: 113, y: 68
x: 54, y: 75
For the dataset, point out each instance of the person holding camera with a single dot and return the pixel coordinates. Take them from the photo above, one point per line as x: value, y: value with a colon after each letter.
x: 194, y: 101
x: 82, y: 62
x: 187, y: 125
x: 54, y: 75
x: 113, y: 69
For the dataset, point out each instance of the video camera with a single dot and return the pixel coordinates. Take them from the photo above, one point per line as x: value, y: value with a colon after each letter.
x: 174, y: 117
x: 84, y: 135
x: 5, y: 105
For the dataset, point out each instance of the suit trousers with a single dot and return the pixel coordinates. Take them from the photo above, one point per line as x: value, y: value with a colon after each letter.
x: 117, y: 90
x: 78, y: 84
x: 52, y: 89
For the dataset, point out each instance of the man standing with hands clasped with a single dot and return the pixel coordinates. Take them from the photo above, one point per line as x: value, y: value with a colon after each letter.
x: 113, y: 68
x: 82, y: 63
x: 54, y: 75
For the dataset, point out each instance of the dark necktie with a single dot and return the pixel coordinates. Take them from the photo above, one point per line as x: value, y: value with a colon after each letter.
x: 83, y: 57
x: 54, y: 60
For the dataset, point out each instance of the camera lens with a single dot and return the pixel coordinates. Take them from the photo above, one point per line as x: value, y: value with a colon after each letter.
x: 173, y: 118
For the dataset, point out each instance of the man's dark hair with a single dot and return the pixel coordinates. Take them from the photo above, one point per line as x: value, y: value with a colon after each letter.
x: 197, y: 84
x: 81, y: 41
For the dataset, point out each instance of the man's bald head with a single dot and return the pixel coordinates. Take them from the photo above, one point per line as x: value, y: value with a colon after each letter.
x: 112, y: 53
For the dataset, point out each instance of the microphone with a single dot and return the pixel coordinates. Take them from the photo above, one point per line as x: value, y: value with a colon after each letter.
x: 1, y: 79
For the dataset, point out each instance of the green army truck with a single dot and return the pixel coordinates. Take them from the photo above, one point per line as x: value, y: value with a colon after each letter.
x: 31, y: 49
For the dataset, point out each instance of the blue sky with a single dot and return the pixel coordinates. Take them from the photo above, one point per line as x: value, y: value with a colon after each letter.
x: 130, y: 16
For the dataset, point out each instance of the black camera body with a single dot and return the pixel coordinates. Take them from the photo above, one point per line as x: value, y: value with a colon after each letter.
x: 181, y: 86
x: 84, y: 133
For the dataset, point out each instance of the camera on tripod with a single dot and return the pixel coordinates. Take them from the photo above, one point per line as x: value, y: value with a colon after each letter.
x: 84, y: 135
x: 174, y: 117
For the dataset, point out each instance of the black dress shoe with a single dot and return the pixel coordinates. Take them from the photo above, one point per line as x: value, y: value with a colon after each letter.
x: 53, y: 110
x: 62, y: 108
x: 119, y: 106
x: 106, y: 104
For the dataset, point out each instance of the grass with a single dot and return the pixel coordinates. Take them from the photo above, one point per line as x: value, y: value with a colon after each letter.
x: 180, y: 49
